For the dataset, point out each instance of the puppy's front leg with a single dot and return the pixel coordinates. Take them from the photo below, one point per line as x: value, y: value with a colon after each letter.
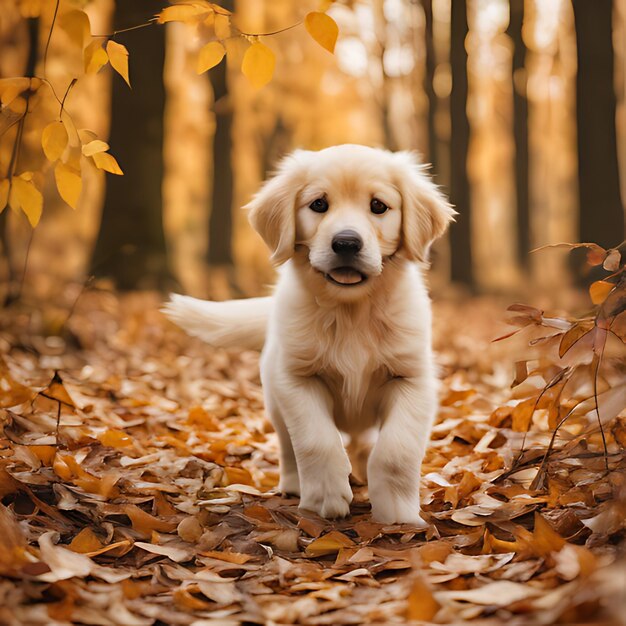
x: 393, y: 471
x: 323, y: 466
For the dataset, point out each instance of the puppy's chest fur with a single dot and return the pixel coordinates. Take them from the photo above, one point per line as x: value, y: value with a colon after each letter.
x: 355, y: 353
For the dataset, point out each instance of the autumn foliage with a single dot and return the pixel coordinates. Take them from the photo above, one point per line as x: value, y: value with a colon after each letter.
x: 68, y: 148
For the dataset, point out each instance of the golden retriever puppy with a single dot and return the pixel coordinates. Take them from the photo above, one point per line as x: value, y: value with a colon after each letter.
x: 346, y: 336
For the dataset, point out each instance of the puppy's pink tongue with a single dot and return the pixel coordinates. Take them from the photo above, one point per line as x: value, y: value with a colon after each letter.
x: 346, y: 276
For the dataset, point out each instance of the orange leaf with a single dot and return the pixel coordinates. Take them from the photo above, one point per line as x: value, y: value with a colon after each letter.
x: 229, y: 557
x: 328, y: 544
x: 600, y: 290
x: 145, y: 523
x: 210, y: 56
x: 522, y: 415
x: 323, y: 29
x: 422, y: 604
x: 44, y: 453
x: 85, y: 541
x: 115, y: 439
x: 239, y: 476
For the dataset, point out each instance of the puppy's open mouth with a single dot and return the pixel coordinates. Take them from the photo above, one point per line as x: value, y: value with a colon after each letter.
x: 345, y: 276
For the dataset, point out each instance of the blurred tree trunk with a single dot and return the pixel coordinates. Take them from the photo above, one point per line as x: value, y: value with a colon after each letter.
x: 520, y: 127
x: 601, y: 209
x: 431, y: 63
x: 460, y: 234
x: 220, y: 249
x: 619, y: 44
x: 12, y: 271
x: 131, y: 244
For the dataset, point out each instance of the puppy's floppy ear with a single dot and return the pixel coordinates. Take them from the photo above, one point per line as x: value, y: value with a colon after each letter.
x: 272, y: 210
x: 426, y: 212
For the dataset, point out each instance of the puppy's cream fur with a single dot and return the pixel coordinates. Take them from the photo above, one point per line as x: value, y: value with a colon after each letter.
x: 342, y: 358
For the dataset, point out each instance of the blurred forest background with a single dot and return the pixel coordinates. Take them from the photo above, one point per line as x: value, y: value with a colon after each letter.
x: 518, y: 104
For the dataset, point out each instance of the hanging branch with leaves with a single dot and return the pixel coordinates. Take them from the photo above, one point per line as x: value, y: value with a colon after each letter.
x: 67, y: 147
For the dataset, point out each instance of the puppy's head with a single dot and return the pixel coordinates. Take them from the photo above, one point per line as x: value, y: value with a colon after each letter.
x: 348, y: 209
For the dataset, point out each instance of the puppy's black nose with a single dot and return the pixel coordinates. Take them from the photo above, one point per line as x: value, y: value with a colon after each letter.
x: 347, y: 242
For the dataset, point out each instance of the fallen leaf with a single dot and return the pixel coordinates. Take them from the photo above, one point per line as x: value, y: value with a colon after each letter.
x: 328, y: 544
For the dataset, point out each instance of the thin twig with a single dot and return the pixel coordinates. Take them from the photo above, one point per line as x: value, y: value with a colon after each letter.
x: 595, y: 398
x: 54, y: 19
x: 20, y: 288
x: 274, y: 32
x: 125, y: 30
x: 67, y: 91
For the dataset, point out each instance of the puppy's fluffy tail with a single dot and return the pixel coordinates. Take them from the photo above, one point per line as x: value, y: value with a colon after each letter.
x: 230, y: 324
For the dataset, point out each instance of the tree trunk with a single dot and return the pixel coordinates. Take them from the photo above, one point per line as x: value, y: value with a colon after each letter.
x: 520, y: 127
x: 428, y: 83
x: 131, y: 243
x: 460, y: 234
x: 220, y: 249
x: 14, y: 279
x: 601, y: 209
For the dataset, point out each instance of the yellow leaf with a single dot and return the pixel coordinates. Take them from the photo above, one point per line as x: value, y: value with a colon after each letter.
x: 95, y: 57
x: 10, y: 88
x: 258, y: 64
x: 600, y: 290
x: 76, y: 25
x: 29, y: 198
x: 210, y: 56
x: 54, y: 140
x: 97, y: 145
x: 118, y: 56
x: 221, y: 25
x: 85, y: 135
x: 328, y: 544
x: 4, y: 193
x: 323, y: 29
x: 181, y: 13
x: 106, y: 162
x: 69, y: 183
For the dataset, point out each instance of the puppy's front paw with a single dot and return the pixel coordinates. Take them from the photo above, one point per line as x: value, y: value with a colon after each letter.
x: 289, y: 483
x: 393, y: 508
x: 327, y: 497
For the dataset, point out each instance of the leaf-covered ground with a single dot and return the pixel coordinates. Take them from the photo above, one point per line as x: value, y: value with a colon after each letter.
x: 137, y: 476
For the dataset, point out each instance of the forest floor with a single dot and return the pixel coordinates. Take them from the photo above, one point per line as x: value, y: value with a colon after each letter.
x: 138, y: 474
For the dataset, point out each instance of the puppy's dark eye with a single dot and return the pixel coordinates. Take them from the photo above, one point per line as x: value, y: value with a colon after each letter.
x: 319, y: 206
x: 377, y: 207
